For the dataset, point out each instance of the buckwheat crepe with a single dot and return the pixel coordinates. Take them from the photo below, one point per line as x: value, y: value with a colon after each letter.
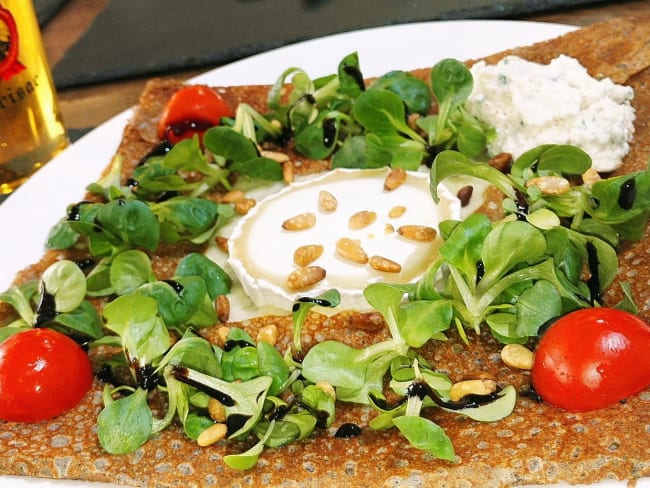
x: 537, y: 444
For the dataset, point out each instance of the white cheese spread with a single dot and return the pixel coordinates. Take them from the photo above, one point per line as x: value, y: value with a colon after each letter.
x: 529, y: 104
x: 261, y: 251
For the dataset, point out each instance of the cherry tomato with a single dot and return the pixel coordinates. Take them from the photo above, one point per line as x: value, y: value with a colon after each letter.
x: 592, y: 358
x: 43, y: 373
x: 191, y: 110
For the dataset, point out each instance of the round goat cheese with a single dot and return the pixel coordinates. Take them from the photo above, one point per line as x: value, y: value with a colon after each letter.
x: 391, y: 227
x: 529, y: 104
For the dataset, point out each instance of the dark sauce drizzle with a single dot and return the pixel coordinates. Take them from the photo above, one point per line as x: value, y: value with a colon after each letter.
x: 354, y: 73
x: 627, y: 194
x: 74, y: 212
x: 231, y: 344
x: 318, y: 301
x: 182, y: 374
x: 145, y: 376
x: 421, y: 389
x: 329, y: 132
x: 348, y: 430
x: 46, y: 309
x: 594, y: 280
x: 178, y: 288
x: 480, y: 270
x: 522, y: 205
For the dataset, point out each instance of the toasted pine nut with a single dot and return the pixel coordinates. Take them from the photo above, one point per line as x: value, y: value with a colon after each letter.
x: 590, y: 177
x: 216, y: 410
x: 501, y: 161
x: 287, y: 172
x: 222, y: 243
x: 362, y: 219
x: 305, y: 255
x: 351, y: 250
x: 471, y: 387
x: 243, y: 206
x: 222, y: 335
x: 327, y: 388
x: 222, y: 306
x: 517, y: 356
x: 420, y: 233
x: 301, y: 221
x: 327, y: 202
x: 389, y: 229
x: 277, y: 156
x: 394, y: 179
x: 212, y: 434
x: 550, y: 185
x: 268, y: 334
x: 397, y: 211
x: 232, y: 196
x: 303, y: 278
x: 386, y: 265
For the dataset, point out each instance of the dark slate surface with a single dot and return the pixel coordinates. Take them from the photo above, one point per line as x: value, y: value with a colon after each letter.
x: 46, y: 9
x: 146, y: 37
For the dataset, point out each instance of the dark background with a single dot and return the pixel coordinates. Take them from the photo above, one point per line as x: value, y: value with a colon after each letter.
x: 147, y: 37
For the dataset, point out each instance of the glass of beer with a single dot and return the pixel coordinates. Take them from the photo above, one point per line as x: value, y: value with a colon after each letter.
x: 31, y: 129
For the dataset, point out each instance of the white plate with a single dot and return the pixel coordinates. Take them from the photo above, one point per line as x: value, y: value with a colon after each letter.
x: 40, y: 203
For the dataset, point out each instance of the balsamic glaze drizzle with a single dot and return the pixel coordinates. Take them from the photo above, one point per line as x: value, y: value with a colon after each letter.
x: 627, y: 194
x: 182, y: 374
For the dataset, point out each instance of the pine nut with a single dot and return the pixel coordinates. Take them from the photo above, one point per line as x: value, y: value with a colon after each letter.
x: 268, y: 334
x: 420, y: 233
x: 303, y: 278
x: 212, y: 434
x: 222, y: 307
x: 394, y: 179
x: 327, y: 388
x: 501, y: 161
x: 351, y: 250
x: 277, y: 156
x: 386, y: 265
x: 518, y: 356
x: 301, y: 221
x: 244, y: 205
x: 362, y: 219
x: 216, y: 410
x: 232, y: 196
x: 305, y: 255
x: 471, y: 387
x: 327, y: 202
x: 550, y: 185
x: 590, y: 177
x: 222, y: 335
x: 397, y: 211
x: 287, y: 172
x: 222, y: 243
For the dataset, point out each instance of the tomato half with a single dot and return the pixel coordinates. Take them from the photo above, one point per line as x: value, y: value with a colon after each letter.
x: 43, y: 373
x: 592, y: 358
x: 191, y: 110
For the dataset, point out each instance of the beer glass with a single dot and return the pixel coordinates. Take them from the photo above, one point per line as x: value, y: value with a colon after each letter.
x: 31, y: 129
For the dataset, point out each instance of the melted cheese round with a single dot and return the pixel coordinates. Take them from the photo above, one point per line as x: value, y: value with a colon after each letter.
x: 261, y: 251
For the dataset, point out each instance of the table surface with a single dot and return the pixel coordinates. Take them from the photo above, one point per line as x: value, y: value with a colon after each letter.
x: 88, y: 106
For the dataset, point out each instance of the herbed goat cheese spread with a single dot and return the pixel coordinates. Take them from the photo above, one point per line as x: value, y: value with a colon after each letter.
x: 359, y: 234
x: 529, y: 104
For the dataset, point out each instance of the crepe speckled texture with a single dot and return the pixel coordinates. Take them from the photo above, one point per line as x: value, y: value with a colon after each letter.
x: 536, y: 444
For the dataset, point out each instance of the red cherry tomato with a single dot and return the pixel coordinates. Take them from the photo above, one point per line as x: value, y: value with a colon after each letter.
x: 592, y: 358
x: 191, y: 110
x: 43, y: 373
